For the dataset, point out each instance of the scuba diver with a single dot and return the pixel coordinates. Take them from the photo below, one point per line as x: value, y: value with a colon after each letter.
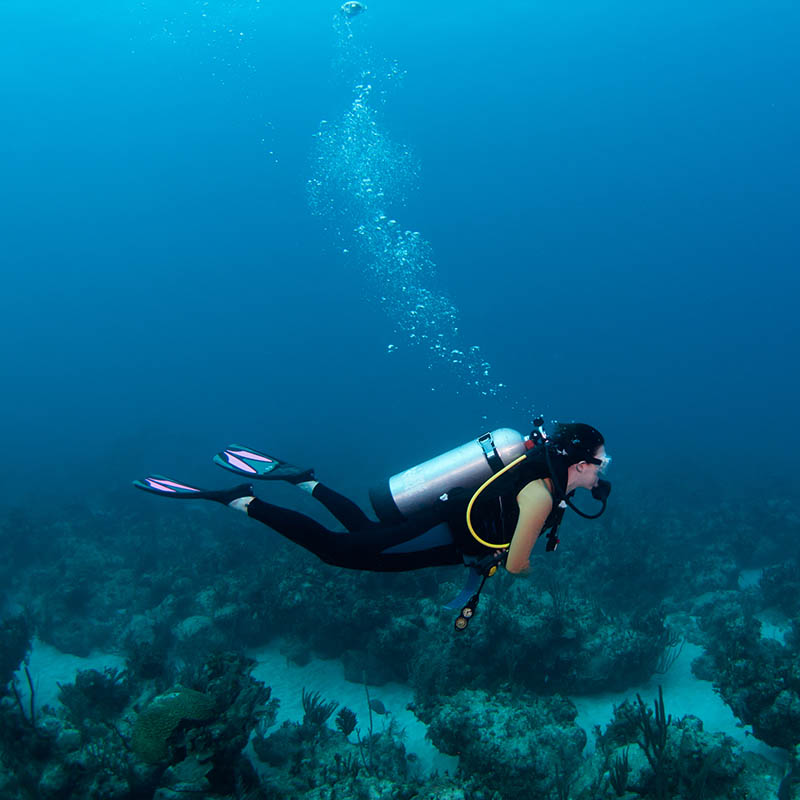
x: 483, y: 504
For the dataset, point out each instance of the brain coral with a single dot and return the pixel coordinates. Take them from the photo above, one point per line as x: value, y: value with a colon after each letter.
x: 157, y: 722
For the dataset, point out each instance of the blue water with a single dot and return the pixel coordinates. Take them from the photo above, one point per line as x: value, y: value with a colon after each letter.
x: 608, y: 191
x: 356, y: 244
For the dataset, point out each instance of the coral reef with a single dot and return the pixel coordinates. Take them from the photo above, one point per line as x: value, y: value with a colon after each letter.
x: 15, y: 641
x: 510, y: 743
x: 758, y: 678
x: 94, y: 696
x: 644, y: 752
x: 158, y: 721
x: 299, y: 759
x: 181, y: 599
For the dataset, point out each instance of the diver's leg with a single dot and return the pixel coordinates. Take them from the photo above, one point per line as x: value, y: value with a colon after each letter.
x: 255, y: 464
x: 296, y: 527
x: 396, y: 548
x: 344, y: 509
x: 378, y: 548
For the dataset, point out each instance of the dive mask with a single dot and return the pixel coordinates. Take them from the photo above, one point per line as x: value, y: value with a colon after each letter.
x: 604, y: 462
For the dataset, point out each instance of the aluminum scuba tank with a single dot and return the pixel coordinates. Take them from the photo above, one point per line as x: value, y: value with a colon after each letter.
x: 465, y: 467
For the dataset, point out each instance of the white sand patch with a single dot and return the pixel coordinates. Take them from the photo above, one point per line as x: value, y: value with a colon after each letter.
x: 48, y: 667
x: 683, y: 694
x: 774, y: 624
x: 749, y: 577
x: 327, y: 677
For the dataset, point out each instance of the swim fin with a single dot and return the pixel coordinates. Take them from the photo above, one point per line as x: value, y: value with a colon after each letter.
x: 166, y: 487
x: 246, y: 461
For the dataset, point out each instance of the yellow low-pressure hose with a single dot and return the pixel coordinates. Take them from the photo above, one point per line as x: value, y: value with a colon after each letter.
x: 475, y: 497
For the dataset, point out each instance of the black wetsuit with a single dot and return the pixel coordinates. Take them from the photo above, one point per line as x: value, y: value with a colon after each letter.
x: 422, y: 541
x: 435, y: 538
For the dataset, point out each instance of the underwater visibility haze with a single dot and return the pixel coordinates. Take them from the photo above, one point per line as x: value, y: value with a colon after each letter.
x: 357, y: 236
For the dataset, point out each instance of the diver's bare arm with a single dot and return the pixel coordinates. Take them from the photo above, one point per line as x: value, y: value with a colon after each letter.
x: 535, y: 504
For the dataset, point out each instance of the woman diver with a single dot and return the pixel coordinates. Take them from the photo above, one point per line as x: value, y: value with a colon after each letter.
x: 483, y: 504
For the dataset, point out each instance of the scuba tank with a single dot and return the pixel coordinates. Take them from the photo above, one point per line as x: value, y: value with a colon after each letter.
x: 466, y: 467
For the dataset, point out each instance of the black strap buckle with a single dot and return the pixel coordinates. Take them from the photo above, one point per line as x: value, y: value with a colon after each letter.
x: 490, y: 452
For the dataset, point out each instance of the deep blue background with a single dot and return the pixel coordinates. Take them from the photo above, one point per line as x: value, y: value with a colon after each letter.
x: 610, y: 191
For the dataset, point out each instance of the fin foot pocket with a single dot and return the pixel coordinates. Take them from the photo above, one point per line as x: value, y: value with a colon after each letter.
x: 247, y: 461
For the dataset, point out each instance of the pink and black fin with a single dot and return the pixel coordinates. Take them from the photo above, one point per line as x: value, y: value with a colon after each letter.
x: 250, y: 462
x: 166, y: 487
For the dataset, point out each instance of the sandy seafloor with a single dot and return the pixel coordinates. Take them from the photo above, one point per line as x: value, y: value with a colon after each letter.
x: 683, y: 694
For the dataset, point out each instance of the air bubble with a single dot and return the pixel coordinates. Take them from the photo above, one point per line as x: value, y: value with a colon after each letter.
x: 360, y: 177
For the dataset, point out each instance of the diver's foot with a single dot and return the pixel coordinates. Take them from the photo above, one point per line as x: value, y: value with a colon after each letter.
x: 166, y: 487
x: 246, y: 461
x: 244, y: 491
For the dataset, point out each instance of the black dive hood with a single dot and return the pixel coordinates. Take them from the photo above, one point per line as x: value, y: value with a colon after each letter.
x: 599, y: 492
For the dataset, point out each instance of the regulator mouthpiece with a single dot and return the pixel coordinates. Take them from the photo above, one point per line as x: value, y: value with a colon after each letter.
x: 602, y: 490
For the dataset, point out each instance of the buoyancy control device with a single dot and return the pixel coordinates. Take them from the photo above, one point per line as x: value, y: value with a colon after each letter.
x: 473, y: 467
